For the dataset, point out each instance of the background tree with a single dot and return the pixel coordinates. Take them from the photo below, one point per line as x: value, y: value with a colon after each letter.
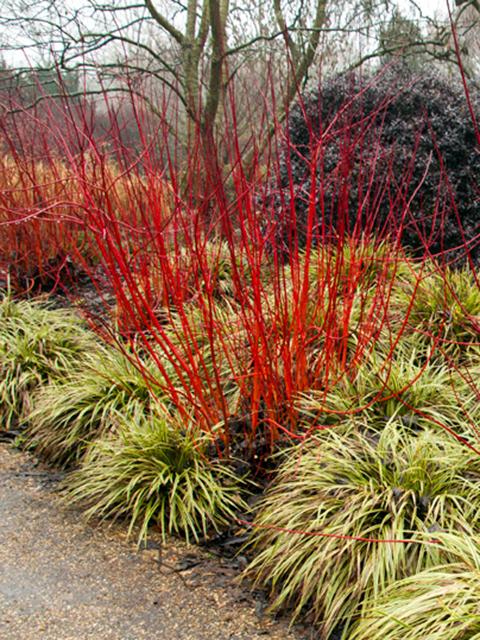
x: 468, y: 31
x: 197, y: 47
x: 401, y: 37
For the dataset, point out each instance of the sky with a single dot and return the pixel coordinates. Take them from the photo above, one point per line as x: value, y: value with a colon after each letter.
x: 430, y: 8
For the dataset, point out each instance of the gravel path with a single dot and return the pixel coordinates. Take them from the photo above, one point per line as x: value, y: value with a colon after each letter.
x: 62, y: 579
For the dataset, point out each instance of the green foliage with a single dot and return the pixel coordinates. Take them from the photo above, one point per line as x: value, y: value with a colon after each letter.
x: 358, y: 484
x: 445, y: 305
x: 38, y: 344
x: 402, y: 381
x: 368, y: 262
x: 72, y: 412
x: 440, y: 603
x: 214, y: 340
x: 154, y: 471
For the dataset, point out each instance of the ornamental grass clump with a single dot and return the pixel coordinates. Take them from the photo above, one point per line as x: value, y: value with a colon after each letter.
x: 439, y: 603
x: 444, y: 305
x: 38, y: 345
x: 402, y: 382
x: 352, y: 511
x: 155, y: 472
x: 72, y: 412
x: 362, y: 261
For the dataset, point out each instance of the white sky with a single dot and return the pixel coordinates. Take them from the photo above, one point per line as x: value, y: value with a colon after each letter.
x: 430, y: 8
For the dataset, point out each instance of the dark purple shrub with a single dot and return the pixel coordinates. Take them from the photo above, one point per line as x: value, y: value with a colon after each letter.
x: 395, y: 153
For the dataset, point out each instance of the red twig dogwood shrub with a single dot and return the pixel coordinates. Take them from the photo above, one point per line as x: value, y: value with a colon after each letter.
x: 241, y: 310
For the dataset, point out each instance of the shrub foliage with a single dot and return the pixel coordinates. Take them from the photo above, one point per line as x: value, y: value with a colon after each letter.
x: 395, y: 152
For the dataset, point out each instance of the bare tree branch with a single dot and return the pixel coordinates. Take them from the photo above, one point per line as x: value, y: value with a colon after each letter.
x: 163, y: 22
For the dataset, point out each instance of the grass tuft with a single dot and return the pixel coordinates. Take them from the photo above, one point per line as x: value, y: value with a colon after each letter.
x: 38, y: 345
x: 439, y: 603
x: 317, y: 527
x: 154, y: 472
x: 406, y: 383
x: 70, y: 413
x: 445, y: 306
